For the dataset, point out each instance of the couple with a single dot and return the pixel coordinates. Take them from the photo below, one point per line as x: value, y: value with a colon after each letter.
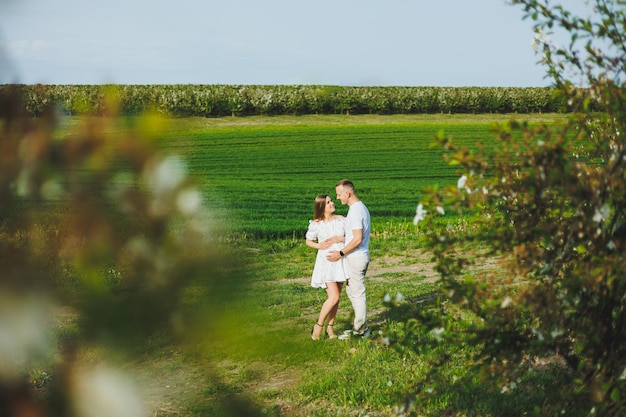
x: 343, y: 256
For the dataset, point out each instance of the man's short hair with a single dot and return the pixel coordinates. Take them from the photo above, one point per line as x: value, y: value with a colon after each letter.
x: 346, y: 184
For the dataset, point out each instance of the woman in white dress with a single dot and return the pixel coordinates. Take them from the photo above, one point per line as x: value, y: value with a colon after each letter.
x: 326, y: 232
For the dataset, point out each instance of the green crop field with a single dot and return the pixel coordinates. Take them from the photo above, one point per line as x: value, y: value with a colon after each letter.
x: 262, y: 175
x: 259, y: 176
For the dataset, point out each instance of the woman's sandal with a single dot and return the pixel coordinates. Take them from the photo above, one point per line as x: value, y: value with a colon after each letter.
x: 330, y: 332
x: 313, y: 331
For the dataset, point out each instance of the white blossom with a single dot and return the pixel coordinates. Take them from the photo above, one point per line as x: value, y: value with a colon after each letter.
x: 24, y: 331
x: 506, y: 302
x: 104, y: 392
x: 420, y: 214
x: 556, y: 333
x: 188, y: 201
x: 440, y: 210
x: 460, y: 184
x: 438, y: 333
x: 601, y: 213
x: 538, y: 40
x: 166, y: 174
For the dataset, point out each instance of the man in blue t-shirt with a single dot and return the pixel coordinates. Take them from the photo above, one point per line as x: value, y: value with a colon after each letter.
x: 356, y: 253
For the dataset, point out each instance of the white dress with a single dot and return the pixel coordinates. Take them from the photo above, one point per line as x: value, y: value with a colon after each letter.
x: 325, y: 271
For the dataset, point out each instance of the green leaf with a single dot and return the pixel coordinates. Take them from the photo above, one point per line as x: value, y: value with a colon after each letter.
x: 615, y: 396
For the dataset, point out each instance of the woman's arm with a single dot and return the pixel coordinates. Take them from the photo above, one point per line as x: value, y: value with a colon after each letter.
x: 324, y: 244
x: 336, y: 239
x: 312, y: 244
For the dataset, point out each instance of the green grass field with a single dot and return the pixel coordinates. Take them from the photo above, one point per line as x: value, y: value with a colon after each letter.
x: 262, y: 174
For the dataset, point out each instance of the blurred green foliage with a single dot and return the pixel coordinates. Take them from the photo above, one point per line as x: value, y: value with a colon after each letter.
x: 101, y: 236
x: 550, y: 208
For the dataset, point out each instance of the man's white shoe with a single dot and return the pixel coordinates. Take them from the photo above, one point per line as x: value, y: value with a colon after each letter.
x: 347, y: 334
x: 353, y: 333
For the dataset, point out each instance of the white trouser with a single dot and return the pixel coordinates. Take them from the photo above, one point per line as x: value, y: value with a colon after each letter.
x: 356, y: 267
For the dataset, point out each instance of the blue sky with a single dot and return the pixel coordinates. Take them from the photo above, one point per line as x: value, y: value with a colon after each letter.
x: 337, y: 42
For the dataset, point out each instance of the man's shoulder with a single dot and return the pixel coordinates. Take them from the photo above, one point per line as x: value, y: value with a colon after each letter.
x: 358, y: 211
x: 359, y: 205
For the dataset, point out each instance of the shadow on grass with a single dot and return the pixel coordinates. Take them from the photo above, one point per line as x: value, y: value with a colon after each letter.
x: 449, y: 383
x: 543, y: 392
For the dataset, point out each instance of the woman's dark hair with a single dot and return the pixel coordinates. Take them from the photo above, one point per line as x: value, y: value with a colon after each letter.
x: 320, y: 206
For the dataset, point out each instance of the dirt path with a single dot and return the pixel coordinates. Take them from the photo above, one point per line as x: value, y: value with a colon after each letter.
x: 169, y: 383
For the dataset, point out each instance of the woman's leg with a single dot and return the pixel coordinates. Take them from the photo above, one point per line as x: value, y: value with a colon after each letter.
x: 333, y: 290
x: 333, y: 312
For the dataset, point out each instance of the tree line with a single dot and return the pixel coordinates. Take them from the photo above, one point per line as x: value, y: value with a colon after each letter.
x: 187, y: 100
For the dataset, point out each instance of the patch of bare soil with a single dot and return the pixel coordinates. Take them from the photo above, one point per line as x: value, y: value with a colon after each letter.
x: 168, y: 385
x: 421, y: 265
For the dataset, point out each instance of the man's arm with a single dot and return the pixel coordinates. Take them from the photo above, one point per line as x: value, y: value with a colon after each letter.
x: 357, y: 238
